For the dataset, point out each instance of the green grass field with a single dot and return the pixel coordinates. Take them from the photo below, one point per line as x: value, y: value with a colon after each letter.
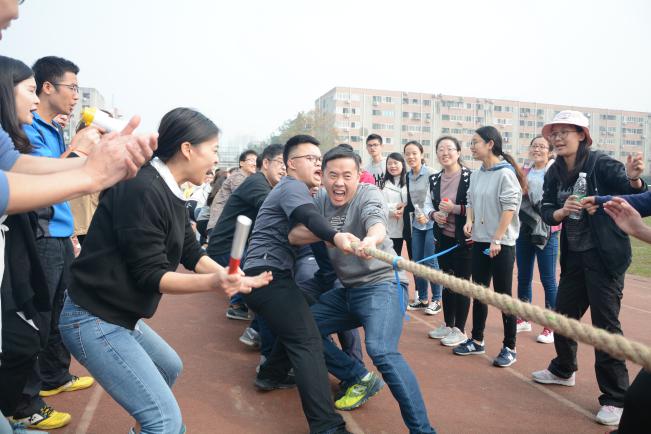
x: 641, y: 265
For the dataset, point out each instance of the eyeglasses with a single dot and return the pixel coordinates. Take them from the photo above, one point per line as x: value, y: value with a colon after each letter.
x: 372, y: 145
x: 540, y: 147
x: 251, y: 160
x: 314, y: 159
x: 444, y: 150
x: 560, y: 134
x: 281, y: 162
x: 72, y: 87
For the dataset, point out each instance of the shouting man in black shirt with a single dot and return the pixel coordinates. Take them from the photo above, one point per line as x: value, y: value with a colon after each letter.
x: 281, y: 303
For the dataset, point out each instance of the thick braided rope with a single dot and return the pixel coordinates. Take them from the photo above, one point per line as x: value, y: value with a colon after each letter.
x: 616, y: 345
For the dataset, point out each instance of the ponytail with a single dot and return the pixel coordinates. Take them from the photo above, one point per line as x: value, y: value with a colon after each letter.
x: 519, y: 173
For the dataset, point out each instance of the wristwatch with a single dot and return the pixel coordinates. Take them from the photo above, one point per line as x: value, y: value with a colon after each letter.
x: 497, y: 242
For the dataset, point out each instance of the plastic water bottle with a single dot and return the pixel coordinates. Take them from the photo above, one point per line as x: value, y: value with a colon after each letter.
x: 418, y: 211
x: 97, y: 118
x: 580, y: 191
x: 443, y: 213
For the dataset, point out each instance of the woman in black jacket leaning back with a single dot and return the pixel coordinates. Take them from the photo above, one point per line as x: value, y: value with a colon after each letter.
x: 595, y: 253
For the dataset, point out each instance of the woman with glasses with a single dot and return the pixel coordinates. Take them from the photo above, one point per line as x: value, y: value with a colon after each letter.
x: 492, y: 222
x: 422, y: 234
x: 536, y: 239
x: 595, y: 253
x: 446, y: 205
x: 395, y: 193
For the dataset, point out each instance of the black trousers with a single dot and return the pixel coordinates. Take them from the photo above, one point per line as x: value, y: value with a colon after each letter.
x: 51, y: 368
x: 457, y: 263
x: 637, y: 415
x: 283, y: 306
x: 500, y: 270
x: 21, y: 344
x: 585, y: 282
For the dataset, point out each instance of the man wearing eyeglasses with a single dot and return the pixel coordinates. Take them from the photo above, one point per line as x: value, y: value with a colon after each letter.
x: 58, y: 91
x: 281, y: 304
x: 377, y: 165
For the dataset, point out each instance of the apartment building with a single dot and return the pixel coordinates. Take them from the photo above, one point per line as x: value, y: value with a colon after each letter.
x: 400, y: 116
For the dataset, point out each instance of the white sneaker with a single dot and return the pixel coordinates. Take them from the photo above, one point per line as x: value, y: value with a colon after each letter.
x: 522, y: 326
x: 546, y: 377
x: 455, y: 338
x: 546, y: 337
x: 609, y: 415
x: 440, y: 332
x: 433, y: 308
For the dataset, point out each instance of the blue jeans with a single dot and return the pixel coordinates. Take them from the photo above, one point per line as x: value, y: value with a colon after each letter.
x: 377, y: 309
x: 136, y: 367
x: 422, y: 246
x: 525, y: 254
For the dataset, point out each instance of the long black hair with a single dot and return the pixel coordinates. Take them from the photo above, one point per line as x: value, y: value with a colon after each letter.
x: 559, y: 168
x: 183, y: 125
x: 489, y: 133
x: 12, y: 72
x: 403, y: 175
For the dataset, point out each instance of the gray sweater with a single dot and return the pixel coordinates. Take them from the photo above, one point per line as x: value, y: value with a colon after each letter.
x: 492, y: 192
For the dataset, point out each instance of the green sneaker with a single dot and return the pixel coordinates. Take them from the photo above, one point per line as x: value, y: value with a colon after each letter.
x: 359, y: 393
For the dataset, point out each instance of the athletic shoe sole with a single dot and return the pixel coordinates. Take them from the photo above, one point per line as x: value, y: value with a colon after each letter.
x: 542, y: 381
x: 454, y: 344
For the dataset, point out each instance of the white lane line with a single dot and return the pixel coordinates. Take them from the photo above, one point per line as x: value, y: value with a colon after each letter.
x: 89, y: 411
x: 562, y: 400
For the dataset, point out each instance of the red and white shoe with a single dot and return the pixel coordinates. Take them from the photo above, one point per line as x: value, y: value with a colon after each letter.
x: 546, y: 337
x: 522, y: 326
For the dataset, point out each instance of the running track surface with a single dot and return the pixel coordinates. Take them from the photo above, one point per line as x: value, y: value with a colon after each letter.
x: 462, y: 394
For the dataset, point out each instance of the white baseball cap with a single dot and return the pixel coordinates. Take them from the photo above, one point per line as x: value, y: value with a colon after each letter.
x: 570, y: 117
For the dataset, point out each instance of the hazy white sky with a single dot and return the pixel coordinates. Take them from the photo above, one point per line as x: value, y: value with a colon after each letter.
x: 250, y: 65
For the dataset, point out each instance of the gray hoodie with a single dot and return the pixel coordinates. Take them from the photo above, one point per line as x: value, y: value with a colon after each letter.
x: 491, y: 192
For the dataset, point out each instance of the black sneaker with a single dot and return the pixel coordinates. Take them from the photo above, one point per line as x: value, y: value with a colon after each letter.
x: 240, y: 312
x: 267, y: 384
x: 418, y: 305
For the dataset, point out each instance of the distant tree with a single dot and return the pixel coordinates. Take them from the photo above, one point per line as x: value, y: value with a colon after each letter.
x: 315, y: 123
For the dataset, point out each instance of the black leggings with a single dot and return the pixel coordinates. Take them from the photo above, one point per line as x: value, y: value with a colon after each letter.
x: 457, y: 263
x: 500, y: 269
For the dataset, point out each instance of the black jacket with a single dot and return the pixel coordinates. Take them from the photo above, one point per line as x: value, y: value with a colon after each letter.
x: 605, y: 176
x: 461, y: 199
x: 139, y: 232
x: 24, y: 285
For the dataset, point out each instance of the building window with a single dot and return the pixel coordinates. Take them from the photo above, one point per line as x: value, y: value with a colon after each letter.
x: 388, y: 99
x: 445, y: 117
x: 427, y: 102
x: 405, y: 100
x: 445, y: 131
x: 405, y: 115
x: 427, y: 142
x: 355, y: 139
x: 377, y: 99
x: 387, y: 140
x: 427, y: 129
x: 387, y: 113
x: 415, y: 101
x: 377, y: 112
